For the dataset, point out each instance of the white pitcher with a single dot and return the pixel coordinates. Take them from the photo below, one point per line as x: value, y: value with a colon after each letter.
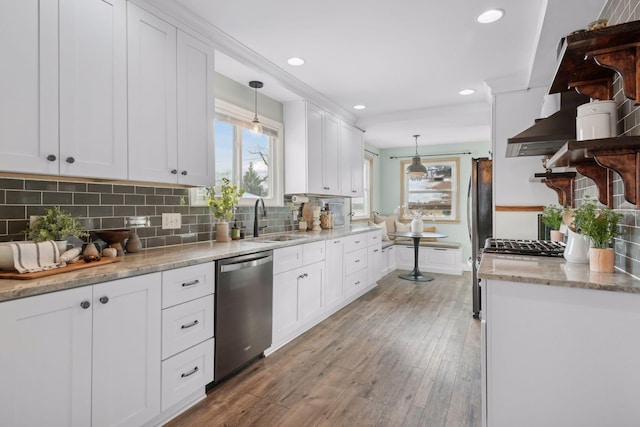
x: 577, y: 249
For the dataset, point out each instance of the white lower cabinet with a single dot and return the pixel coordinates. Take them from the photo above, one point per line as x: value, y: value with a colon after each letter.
x: 388, y: 260
x: 432, y: 259
x: 334, y: 289
x: 298, y: 293
x: 92, y: 353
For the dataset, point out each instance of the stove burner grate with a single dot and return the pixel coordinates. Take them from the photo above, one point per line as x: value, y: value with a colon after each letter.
x: 524, y: 247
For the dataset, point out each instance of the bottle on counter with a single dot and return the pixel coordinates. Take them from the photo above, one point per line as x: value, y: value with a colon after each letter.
x: 235, y: 231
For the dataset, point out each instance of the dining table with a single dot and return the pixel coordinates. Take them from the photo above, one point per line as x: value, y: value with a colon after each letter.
x: 416, y: 275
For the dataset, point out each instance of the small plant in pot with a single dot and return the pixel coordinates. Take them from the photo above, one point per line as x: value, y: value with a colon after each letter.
x: 552, y: 218
x: 222, y: 204
x: 601, y: 226
x: 55, y: 224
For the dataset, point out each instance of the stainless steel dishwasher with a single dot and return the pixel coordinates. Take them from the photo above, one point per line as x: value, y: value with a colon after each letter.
x: 244, y: 301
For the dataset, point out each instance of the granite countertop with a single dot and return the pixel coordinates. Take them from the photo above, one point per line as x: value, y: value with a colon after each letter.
x: 159, y: 259
x: 554, y: 272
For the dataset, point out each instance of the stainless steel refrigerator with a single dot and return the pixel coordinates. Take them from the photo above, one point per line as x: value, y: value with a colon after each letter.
x: 479, y: 218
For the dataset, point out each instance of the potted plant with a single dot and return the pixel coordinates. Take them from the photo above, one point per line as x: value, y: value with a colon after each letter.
x: 552, y: 218
x: 222, y: 204
x: 57, y: 225
x: 601, y: 226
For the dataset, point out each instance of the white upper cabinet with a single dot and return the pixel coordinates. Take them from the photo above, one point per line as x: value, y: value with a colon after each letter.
x: 196, y: 111
x: 352, y: 166
x: 29, y: 101
x: 170, y: 103
x: 93, y: 88
x: 311, y: 141
x: 153, y: 134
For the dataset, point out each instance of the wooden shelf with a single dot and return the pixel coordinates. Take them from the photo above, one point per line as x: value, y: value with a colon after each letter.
x: 590, y: 59
x: 561, y: 183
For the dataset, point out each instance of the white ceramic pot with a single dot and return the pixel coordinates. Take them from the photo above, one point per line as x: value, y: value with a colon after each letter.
x: 593, y: 126
x: 222, y: 232
x: 577, y: 249
x: 600, y: 107
x: 417, y: 226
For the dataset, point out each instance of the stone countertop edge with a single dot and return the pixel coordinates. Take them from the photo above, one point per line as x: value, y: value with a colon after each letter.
x: 553, y: 272
x: 160, y: 259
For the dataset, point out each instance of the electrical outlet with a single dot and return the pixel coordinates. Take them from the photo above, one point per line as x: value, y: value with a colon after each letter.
x: 171, y: 221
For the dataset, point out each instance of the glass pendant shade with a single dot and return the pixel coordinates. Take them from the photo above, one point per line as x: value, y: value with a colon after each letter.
x: 256, y: 126
x: 416, y: 170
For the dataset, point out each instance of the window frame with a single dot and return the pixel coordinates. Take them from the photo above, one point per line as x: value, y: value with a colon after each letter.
x: 368, y: 187
x: 276, y: 168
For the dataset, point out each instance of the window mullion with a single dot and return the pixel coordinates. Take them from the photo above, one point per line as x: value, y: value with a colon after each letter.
x: 237, y: 156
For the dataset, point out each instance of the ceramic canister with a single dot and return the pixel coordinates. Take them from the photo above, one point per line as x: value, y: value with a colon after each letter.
x: 593, y: 126
x: 598, y: 107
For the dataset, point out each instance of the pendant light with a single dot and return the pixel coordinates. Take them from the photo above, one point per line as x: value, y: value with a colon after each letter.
x: 256, y: 127
x: 416, y: 169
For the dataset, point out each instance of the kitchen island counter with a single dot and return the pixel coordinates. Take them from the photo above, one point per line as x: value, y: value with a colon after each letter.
x: 160, y: 259
x: 554, y: 272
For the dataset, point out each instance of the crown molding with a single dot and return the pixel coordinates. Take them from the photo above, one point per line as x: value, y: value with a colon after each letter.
x: 178, y: 15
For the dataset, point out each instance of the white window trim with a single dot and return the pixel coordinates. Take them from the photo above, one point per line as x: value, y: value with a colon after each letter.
x: 277, y: 166
x: 368, y: 159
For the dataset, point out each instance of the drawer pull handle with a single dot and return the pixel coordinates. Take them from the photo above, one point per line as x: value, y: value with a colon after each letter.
x: 85, y: 304
x: 357, y: 260
x: 357, y: 283
x: 191, y: 372
x: 375, y: 250
x: 302, y: 276
x: 189, y: 325
x: 193, y: 282
x: 357, y: 241
x: 440, y: 249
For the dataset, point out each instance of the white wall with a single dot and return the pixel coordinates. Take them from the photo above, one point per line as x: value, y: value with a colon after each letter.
x: 243, y: 96
x: 514, y: 112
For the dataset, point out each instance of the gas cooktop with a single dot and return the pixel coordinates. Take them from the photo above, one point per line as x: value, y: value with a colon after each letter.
x: 524, y: 247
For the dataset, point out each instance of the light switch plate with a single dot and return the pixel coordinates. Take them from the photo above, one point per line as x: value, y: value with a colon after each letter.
x: 171, y: 221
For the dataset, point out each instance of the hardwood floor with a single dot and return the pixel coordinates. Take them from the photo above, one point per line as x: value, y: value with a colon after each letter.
x: 405, y: 354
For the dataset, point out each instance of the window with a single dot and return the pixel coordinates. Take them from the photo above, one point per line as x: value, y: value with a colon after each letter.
x: 436, y: 196
x: 251, y: 161
x: 362, y: 206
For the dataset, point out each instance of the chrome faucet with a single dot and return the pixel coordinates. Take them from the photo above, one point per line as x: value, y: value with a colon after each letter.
x: 255, y: 217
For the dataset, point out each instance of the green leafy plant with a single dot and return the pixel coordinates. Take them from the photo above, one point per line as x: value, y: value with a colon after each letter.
x: 552, y: 217
x: 599, y: 224
x: 223, y: 202
x: 55, y: 224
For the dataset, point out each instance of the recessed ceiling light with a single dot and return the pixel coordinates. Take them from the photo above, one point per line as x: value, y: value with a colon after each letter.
x: 359, y: 107
x: 489, y: 16
x: 467, y: 92
x: 295, y: 61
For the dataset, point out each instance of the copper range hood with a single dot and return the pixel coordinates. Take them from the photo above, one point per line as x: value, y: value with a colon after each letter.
x: 547, y: 135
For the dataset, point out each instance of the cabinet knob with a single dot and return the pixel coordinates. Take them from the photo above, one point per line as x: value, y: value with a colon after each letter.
x: 183, y: 173
x: 326, y: 188
x: 85, y: 304
x: 174, y: 171
x: 104, y: 300
x: 52, y: 158
x: 70, y: 160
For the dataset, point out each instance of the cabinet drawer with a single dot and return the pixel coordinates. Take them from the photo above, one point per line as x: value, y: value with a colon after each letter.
x: 186, y: 325
x: 355, y: 261
x: 312, y: 252
x: 285, y: 259
x: 187, y: 283
x: 186, y: 373
x: 374, y: 238
x: 440, y: 256
x: 353, y: 243
x: 354, y: 282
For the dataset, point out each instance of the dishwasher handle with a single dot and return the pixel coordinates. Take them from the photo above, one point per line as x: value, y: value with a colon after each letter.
x: 246, y: 264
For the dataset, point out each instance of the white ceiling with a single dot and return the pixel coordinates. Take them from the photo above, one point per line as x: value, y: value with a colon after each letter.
x: 404, y: 60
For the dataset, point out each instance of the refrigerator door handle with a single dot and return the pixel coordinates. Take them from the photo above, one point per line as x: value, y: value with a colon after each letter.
x: 469, y: 209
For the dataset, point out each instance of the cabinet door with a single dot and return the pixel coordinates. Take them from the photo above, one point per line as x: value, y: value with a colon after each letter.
x: 195, y: 111
x: 374, y: 264
x: 153, y: 139
x: 46, y: 343
x: 310, y: 291
x: 285, y: 304
x: 352, y: 161
x: 334, y: 287
x: 126, y: 351
x: 331, y: 155
x: 315, y: 151
x: 93, y: 88
x: 29, y: 87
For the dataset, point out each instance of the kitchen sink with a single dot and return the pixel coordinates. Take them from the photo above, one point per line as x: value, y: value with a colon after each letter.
x: 279, y: 238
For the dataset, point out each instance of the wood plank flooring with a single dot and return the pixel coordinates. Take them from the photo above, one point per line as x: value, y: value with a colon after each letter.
x: 405, y: 354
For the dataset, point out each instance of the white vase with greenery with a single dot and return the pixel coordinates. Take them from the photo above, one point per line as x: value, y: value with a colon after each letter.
x: 222, y: 204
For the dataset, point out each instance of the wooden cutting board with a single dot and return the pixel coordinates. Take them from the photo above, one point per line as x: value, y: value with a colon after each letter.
x: 79, y: 265
x: 307, y: 214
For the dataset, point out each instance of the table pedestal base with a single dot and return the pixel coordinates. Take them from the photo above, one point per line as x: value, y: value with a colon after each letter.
x: 416, y: 276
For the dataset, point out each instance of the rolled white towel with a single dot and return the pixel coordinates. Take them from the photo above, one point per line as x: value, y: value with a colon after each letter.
x: 29, y: 257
